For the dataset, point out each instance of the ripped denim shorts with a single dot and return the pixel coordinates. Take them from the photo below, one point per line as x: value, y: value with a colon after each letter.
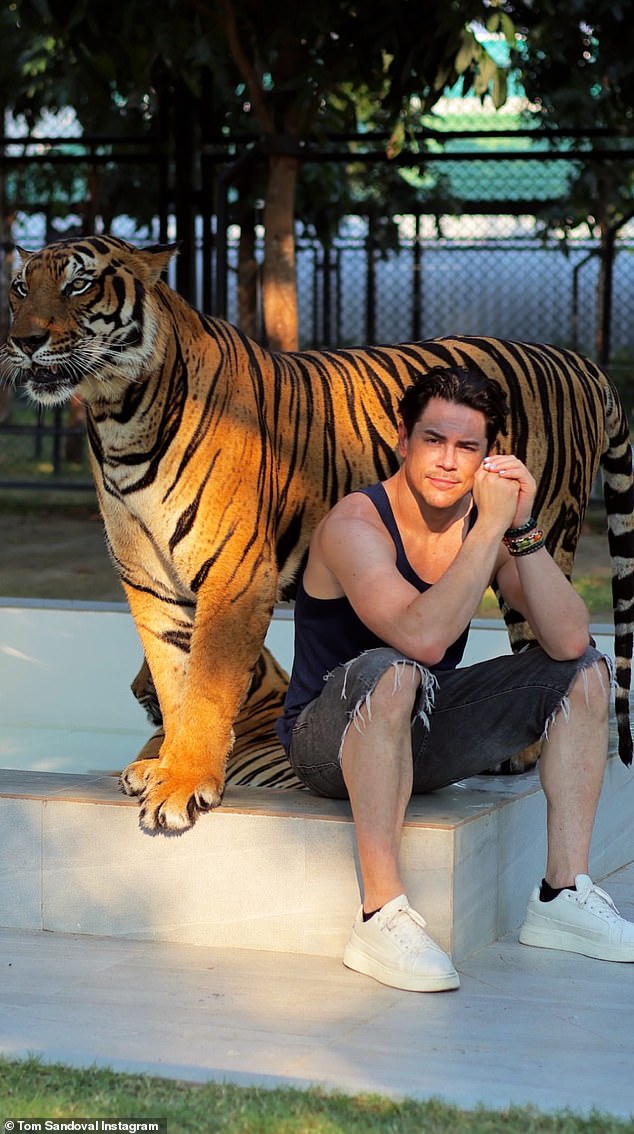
x: 466, y: 721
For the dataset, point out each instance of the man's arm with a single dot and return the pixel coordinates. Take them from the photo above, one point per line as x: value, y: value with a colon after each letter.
x: 359, y: 555
x: 533, y: 584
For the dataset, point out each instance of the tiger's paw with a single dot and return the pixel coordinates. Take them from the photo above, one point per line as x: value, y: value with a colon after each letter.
x: 167, y: 802
x: 134, y: 779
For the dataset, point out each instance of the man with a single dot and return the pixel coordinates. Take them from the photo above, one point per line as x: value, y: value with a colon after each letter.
x: 376, y: 708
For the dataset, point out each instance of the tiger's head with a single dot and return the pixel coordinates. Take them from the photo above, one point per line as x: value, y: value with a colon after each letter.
x: 84, y: 318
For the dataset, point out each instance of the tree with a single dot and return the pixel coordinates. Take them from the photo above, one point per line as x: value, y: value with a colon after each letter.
x: 281, y: 73
x: 37, y: 76
x: 307, y: 70
x: 8, y: 51
x: 578, y: 70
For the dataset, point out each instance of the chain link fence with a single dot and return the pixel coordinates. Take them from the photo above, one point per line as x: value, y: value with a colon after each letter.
x: 474, y: 255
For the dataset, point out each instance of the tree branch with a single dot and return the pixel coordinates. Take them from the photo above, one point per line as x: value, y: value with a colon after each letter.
x: 246, y: 69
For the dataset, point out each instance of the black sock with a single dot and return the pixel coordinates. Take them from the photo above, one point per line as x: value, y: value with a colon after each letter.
x: 367, y: 916
x: 547, y: 893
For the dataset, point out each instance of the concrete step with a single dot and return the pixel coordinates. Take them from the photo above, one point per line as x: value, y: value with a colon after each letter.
x: 276, y: 870
x: 270, y: 869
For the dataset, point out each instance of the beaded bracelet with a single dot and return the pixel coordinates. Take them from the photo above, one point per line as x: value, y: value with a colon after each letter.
x: 525, y: 544
x: 513, y: 533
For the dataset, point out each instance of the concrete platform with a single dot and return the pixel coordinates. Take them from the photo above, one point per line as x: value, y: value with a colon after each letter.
x: 216, y: 955
x: 527, y: 1026
x: 272, y: 870
x: 276, y: 870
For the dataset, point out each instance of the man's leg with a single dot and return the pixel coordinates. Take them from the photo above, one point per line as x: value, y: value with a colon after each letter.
x: 391, y: 945
x: 569, y: 912
x: 572, y: 766
x: 496, y: 708
x: 376, y: 761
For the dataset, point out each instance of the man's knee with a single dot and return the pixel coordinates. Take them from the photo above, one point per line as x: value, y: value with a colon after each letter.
x: 395, y: 692
x: 591, y: 688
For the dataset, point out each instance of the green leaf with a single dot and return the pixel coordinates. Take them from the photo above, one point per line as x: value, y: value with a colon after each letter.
x: 466, y: 52
x: 487, y: 69
x: 499, y: 88
x: 397, y: 139
x: 508, y: 28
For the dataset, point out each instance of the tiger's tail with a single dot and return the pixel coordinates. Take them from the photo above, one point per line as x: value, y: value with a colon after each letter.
x: 618, y: 492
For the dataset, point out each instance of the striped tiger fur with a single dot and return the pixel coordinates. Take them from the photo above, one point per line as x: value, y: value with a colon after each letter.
x: 214, y: 460
x: 257, y: 758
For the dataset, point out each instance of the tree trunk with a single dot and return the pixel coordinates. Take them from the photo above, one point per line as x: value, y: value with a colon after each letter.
x: 279, y: 280
x: 248, y: 320
x: 6, y: 263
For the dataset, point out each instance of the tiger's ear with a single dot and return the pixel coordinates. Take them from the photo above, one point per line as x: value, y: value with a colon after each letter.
x: 155, y: 259
x: 21, y: 255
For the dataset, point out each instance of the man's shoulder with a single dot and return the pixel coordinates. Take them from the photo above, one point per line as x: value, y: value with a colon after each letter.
x: 351, y: 525
x: 356, y: 505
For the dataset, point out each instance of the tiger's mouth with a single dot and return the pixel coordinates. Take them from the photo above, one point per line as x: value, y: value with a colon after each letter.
x: 48, y: 383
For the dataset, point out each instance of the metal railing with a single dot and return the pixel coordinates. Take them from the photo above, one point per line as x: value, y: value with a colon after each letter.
x: 465, y: 254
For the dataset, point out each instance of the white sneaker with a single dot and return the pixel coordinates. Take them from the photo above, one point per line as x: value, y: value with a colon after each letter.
x: 584, y: 921
x: 394, y: 948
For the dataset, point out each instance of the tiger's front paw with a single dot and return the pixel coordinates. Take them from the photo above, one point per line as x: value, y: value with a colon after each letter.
x: 133, y: 779
x: 169, y: 803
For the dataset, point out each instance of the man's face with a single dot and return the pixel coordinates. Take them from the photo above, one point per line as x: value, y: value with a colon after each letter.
x: 444, y: 451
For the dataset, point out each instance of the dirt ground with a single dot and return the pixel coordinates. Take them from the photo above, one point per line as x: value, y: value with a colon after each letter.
x: 59, y: 552
x: 56, y: 553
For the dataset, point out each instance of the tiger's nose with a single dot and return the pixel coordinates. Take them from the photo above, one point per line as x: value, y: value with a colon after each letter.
x: 28, y: 344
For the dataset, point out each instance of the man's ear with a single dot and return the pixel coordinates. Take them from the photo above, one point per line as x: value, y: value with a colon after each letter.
x: 402, y: 438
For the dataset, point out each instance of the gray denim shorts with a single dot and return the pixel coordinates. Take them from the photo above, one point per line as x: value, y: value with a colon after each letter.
x: 466, y: 721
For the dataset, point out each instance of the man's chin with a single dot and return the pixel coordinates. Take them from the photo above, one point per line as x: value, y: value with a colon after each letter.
x: 445, y: 499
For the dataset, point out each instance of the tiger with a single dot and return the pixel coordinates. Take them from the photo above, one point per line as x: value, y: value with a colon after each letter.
x: 257, y: 759
x: 214, y: 459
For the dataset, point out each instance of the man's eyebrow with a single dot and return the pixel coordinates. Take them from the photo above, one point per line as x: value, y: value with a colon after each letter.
x: 429, y: 431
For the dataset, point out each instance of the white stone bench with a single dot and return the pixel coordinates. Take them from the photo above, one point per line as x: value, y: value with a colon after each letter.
x: 269, y: 869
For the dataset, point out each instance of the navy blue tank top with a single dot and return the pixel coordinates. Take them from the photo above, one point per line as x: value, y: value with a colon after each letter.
x: 328, y: 632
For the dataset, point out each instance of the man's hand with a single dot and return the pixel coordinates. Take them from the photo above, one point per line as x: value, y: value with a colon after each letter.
x: 509, y: 469
x: 496, y: 498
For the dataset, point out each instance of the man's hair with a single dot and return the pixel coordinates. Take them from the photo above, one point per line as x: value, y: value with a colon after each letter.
x: 460, y: 385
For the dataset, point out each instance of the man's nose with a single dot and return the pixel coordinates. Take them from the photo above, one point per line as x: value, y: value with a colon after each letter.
x: 448, y: 456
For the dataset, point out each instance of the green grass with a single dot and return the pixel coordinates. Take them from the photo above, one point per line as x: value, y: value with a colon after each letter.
x: 31, y: 1089
x: 595, y: 590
